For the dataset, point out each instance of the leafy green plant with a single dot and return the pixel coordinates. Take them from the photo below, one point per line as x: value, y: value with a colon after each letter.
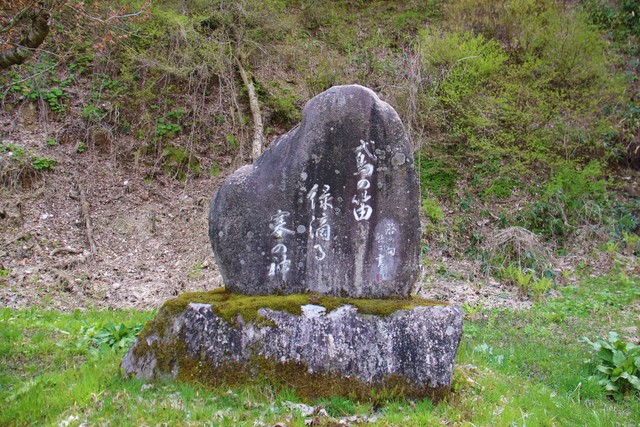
x: 167, y: 129
x: 93, y: 114
x: 516, y: 276
x: 232, y: 141
x: 178, y: 161
x: 43, y: 163
x: 527, y: 281
x: 501, y: 187
x: 618, y: 364
x: 621, y: 18
x: 436, y: 176
x: 432, y: 209
x: 54, y: 98
x: 214, y: 170
x: 169, y: 125
x: 631, y: 242
x: 20, y: 165
x: 538, y: 287
x: 16, y: 151
x: 612, y: 246
x: 573, y: 197
x: 577, y: 186
x: 110, y: 337
x: 489, y: 353
x: 471, y: 310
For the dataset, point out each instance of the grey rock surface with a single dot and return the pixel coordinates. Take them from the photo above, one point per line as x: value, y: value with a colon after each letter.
x: 418, y: 345
x: 331, y: 207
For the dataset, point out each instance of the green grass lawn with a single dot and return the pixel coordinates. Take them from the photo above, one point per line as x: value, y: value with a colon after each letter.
x: 514, y: 368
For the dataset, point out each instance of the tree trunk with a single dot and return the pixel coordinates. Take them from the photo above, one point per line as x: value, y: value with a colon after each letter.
x: 258, y: 138
x: 35, y: 37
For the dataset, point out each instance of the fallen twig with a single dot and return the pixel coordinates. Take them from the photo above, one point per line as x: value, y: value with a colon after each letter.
x: 84, y: 206
x: 66, y: 249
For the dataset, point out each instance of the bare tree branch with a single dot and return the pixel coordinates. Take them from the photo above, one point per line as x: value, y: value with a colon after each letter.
x: 20, y: 16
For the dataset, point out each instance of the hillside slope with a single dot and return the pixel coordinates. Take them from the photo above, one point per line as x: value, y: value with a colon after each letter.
x: 524, y: 118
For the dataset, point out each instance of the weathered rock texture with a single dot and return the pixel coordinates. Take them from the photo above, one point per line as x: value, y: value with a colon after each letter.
x: 414, y: 349
x: 330, y: 208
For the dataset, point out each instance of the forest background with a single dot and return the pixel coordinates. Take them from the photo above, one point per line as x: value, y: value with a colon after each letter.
x: 524, y: 117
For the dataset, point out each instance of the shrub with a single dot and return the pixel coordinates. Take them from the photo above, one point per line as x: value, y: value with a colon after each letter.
x: 19, y: 166
x: 109, y: 337
x: 618, y: 364
x: 521, y: 83
x: 179, y: 161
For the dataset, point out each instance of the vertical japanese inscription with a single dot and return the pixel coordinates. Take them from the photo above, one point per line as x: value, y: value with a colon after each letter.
x: 280, y: 263
x: 320, y: 227
x: 386, y: 247
x: 365, y: 162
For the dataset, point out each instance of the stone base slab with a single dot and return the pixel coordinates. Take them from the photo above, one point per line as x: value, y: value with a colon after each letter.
x: 338, y: 352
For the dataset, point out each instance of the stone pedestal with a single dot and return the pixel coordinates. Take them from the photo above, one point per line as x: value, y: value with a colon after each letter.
x: 408, y: 348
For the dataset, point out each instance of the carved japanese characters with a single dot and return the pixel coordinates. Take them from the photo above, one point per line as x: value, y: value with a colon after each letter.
x: 331, y: 207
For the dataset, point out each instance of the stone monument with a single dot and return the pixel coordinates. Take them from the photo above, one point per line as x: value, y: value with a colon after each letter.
x: 331, y: 207
x: 318, y: 245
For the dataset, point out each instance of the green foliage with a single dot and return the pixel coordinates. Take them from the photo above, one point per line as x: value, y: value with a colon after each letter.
x: 618, y: 364
x: 436, y: 176
x: 169, y: 125
x: 232, y: 141
x: 576, y: 187
x: 620, y: 18
x: 527, y: 281
x: 631, y: 243
x: 573, y: 198
x: 55, y: 97
x: 501, y: 187
x: 43, y: 163
x: 20, y: 166
x: 525, y: 88
x: 471, y: 310
x: 432, y: 209
x: 283, y: 105
x: 92, y: 114
x: 433, y: 212
x: 109, y: 337
x: 16, y: 151
x: 81, y: 147
x: 179, y: 161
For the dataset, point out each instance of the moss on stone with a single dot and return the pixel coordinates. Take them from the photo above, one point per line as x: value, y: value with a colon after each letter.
x: 309, y: 386
x: 173, y: 360
x: 229, y: 305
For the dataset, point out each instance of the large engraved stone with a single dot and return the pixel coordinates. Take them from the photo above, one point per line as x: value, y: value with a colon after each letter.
x: 331, y: 207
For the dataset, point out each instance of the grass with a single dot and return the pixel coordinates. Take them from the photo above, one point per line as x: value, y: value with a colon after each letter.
x: 513, y: 368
